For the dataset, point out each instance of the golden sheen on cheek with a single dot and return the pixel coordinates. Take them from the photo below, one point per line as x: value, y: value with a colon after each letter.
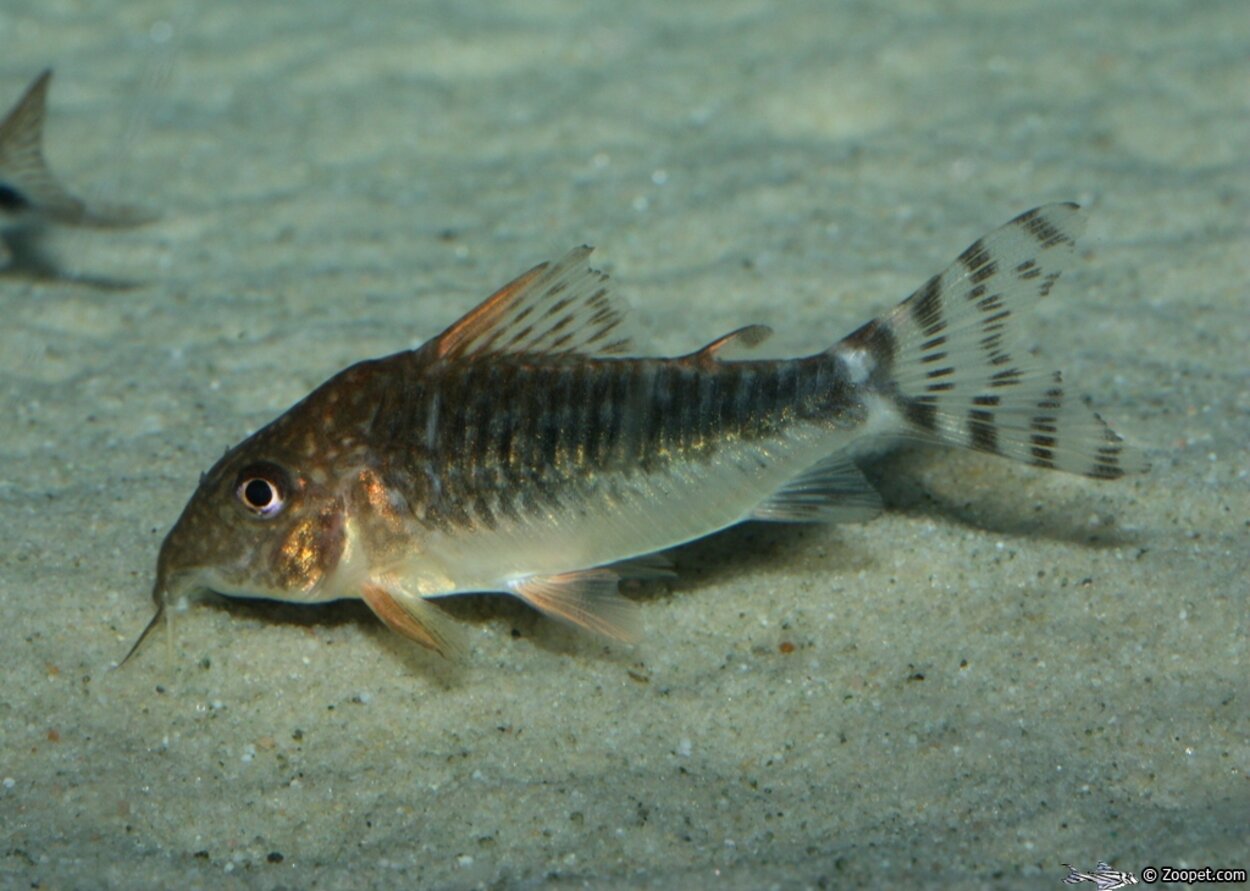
x: 309, y: 552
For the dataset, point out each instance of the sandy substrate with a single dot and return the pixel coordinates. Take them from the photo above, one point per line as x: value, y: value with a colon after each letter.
x: 1007, y: 671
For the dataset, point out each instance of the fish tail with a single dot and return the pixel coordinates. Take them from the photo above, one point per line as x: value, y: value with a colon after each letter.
x: 32, y: 184
x: 948, y: 363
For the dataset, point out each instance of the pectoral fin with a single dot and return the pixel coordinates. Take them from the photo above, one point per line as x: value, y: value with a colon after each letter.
x: 588, y: 599
x: 412, y: 616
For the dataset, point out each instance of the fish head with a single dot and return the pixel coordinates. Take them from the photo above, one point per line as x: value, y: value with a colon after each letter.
x: 262, y: 523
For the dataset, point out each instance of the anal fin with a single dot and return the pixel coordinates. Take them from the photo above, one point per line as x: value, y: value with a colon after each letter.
x: 588, y: 599
x: 647, y: 568
x: 831, y: 491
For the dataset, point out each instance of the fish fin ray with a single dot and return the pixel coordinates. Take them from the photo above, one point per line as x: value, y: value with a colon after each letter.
x: 24, y: 168
x: 413, y: 617
x: 21, y: 131
x: 950, y: 355
x: 21, y: 156
x: 648, y: 567
x: 831, y: 491
x: 588, y: 599
x: 564, y: 308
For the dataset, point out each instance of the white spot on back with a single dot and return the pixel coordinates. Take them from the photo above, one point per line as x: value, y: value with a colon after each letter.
x: 860, y: 365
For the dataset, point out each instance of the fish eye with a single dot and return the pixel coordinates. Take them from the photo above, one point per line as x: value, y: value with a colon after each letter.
x: 262, y: 489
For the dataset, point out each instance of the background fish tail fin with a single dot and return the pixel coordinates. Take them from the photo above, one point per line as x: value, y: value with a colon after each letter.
x: 949, y: 361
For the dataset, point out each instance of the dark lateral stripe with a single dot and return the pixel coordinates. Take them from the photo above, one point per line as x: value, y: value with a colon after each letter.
x: 515, y: 436
x: 498, y: 421
x: 685, y: 419
x: 482, y: 510
x: 659, y: 409
x: 578, y: 417
x: 463, y: 399
x: 598, y: 402
x: 708, y: 407
x: 788, y: 382
x: 769, y: 393
x: 618, y: 420
x: 744, y: 399
x: 531, y: 425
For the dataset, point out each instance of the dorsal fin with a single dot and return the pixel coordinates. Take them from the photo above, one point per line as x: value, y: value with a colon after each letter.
x: 555, y: 309
x: 747, y: 337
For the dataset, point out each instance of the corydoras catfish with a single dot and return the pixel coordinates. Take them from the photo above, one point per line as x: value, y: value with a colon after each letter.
x: 527, y: 450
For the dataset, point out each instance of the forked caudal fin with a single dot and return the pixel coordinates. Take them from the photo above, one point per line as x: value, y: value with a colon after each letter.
x: 948, y: 360
x: 28, y: 185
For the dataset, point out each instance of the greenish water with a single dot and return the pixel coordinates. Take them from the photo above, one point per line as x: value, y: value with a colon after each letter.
x: 1006, y: 672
